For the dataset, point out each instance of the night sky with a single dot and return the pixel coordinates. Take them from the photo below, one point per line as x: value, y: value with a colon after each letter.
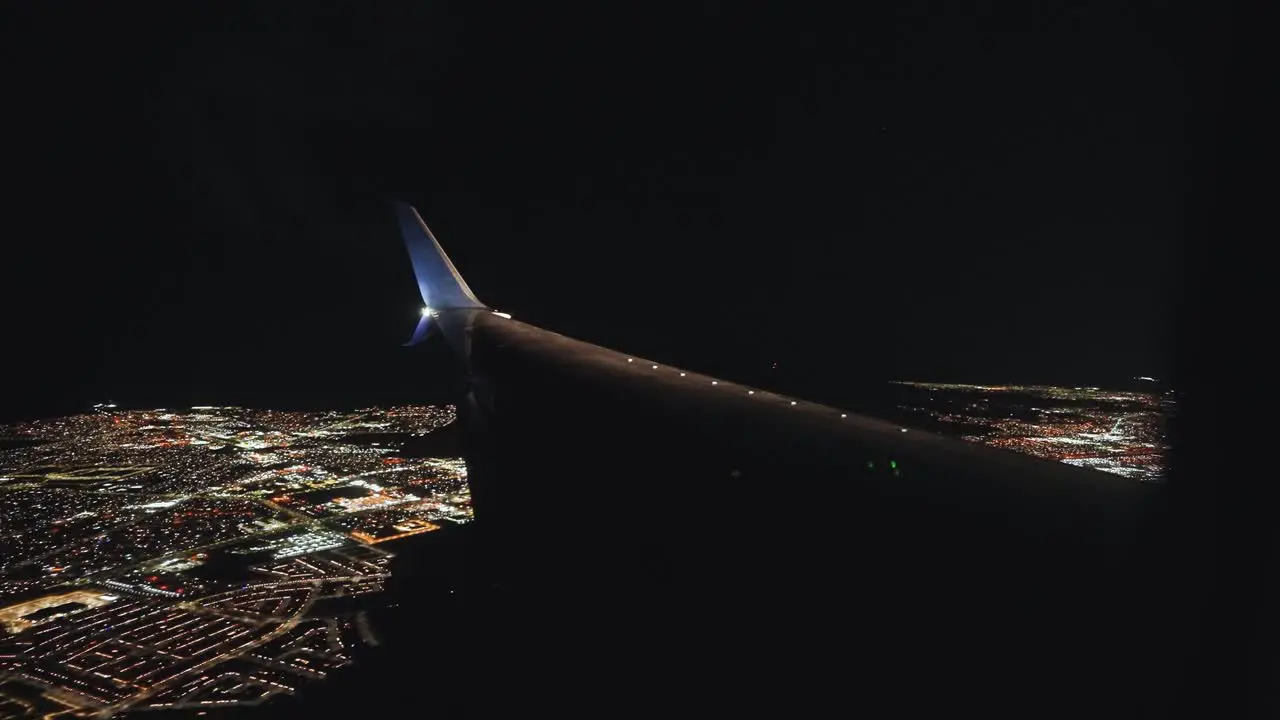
x: 196, y: 211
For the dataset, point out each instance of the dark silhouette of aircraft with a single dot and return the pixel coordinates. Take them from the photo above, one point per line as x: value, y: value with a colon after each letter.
x: 653, y: 540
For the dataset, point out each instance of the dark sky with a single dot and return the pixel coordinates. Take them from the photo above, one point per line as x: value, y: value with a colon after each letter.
x: 195, y: 204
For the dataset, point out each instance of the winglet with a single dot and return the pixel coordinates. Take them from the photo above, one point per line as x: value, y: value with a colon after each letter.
x: 425, y: 326
x: 441, y: 286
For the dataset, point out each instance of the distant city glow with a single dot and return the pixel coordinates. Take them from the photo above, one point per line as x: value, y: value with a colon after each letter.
x: 1118, y: 432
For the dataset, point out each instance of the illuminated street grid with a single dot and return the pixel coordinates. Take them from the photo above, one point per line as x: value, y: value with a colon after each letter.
x: 1117, y: 432
x: 112, y: 524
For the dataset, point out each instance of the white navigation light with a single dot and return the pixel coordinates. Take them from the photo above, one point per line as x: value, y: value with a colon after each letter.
x: 751, y: 392
x: 793, y: 402
x: 713, y: 382
x: 630, y: 360
x: 655, y: 367
x: 904, y: 429
x: 681, y: 374
x: 502, y: 314
x: 843, y: 415
x: 426, y: 311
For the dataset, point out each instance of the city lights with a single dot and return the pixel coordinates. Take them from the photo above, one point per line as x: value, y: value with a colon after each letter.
x: 1118, y: 432
x: 109, y: 519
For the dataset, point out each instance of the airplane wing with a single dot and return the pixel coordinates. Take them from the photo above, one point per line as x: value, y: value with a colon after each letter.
x: 653, y: 539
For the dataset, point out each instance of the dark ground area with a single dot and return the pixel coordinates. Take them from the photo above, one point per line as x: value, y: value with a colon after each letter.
x: 21, y: 696
x: 444, y: 442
